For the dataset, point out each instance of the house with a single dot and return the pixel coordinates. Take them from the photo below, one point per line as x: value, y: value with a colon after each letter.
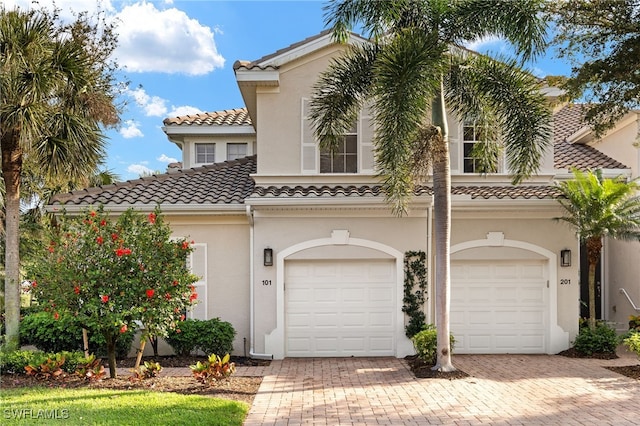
x: 300, y: 252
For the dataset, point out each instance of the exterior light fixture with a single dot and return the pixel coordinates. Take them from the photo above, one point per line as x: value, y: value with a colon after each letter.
x: 565, y: 258
x: 268, y: 257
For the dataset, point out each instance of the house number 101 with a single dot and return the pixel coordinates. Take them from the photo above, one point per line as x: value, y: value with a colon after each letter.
x: 266, y: 282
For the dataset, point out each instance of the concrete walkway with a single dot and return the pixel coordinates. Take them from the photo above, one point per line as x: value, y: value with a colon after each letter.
x: 501, y: 390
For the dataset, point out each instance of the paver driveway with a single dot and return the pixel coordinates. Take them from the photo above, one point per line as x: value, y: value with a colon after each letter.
x: 501, y: 389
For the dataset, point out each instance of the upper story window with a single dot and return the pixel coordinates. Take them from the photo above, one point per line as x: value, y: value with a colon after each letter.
x: 236, y: 150
x: 475, y: 133
x: 344, y: 159
x: 205, y: 153
x: 354, y: 154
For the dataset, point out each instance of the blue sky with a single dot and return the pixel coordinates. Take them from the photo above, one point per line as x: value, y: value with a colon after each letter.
x: 178, y: 57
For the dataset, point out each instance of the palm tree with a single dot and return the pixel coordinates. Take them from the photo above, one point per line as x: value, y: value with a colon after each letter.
x: 55, y: 90
x: 598, y: 208
x: 409, y: 75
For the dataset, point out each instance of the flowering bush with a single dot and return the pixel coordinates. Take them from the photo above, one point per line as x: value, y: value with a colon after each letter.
x: 111, y: 273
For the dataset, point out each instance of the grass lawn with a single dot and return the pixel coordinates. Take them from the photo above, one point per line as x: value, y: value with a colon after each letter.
x: 39, y: 405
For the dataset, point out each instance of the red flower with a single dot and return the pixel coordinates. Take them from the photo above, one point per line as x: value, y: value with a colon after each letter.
x: 152, y: 218
x: 175, y: 283
x: 185, y: 245
x: 51, y: 249
x: 92, y: 214
x: 76, y: 290
x: 123, y: 329
x: 123, y: 252
x: 34, y: 283
x: 100, y: 240
x: 182, y: 317
x: 178, y: 330
x: 167, y: 296
x: 103, y: 222
x: 150, y: 292
x: 193, y: 297
x: 104, y: 298
x: 114, y: 237
x: 56, y: 316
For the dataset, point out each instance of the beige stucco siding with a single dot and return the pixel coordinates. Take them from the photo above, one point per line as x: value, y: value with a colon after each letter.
x: 227, y: 245
x: 622, y: 269
x: 619, y: 144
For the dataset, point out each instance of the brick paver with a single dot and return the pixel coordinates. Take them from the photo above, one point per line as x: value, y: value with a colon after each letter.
x: 501, y: 390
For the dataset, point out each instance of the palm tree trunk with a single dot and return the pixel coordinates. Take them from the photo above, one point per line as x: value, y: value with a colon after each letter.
x: 594, y: 248
x: 11, y: 169
x: 442, y: 229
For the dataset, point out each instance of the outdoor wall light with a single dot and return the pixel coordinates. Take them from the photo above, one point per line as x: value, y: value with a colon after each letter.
x: 268, y: 257
x: 565, y: 257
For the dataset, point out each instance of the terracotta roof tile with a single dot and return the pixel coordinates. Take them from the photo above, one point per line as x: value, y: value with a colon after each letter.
x: 567, y: 121
x: 227, y: 117
x: 475, y: 192
x: 221, y: 183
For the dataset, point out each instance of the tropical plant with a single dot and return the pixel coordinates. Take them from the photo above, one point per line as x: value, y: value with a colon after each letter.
x: 632, y: 341
x: 602, y: 39
x: 110, y: 274
x: 603, y: 340
x: 409, y: 75
x: 214, y: 369
x: 56, y: 89
x: 425, y: 343
x: 597, y: 208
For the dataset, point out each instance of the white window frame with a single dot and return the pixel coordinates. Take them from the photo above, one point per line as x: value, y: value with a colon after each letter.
x: 195, y: 152
x: 236, y: 156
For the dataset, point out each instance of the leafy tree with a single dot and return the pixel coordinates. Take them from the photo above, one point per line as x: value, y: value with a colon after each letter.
x: 602, y: 38
x: 598, y: 208
x: 110, y: 274
x: 56, y: 89
x: 409, y: 74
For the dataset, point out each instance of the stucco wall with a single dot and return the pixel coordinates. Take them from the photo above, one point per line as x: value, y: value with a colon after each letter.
x: 622, y: 270
x: 227, y: 240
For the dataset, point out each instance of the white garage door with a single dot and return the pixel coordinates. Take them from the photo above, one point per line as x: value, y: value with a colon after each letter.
x: 499, y: 306
x: 340, y: 308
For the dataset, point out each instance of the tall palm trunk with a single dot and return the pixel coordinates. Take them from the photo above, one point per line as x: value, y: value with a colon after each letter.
x: 11, y: 169
x: 594, y: 248
x: 442, y: 229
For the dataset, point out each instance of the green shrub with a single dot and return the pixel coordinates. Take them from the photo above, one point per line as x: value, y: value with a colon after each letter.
x: 48, y: 334
x: 601, y: 340
x: 14, y: 362
x: 426, y: 344
x: 632, y: 341
x: 211, y: 337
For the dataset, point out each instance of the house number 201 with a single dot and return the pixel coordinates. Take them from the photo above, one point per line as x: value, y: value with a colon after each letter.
x: 565, y: 281
x: 266, y: 282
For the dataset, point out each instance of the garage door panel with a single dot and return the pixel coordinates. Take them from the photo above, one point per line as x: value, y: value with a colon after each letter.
x: 345, y: 308
x: 499, y: 306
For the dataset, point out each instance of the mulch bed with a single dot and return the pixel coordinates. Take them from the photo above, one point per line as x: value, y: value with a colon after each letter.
x: 424, y: 370
x: 631, y: 371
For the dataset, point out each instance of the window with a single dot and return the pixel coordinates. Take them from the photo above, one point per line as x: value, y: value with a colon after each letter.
x: 205, y: 153
x: 474, y: 133
x: 236, y: 150
x: 345, y: 158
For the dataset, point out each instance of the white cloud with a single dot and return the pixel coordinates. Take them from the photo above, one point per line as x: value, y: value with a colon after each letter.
x: 184, y: 110
x: 485, y: 43
x: 131, y: 130
x: 139, y: 169
x: 166, y: 159
x: 152, y: 40
x: 153, y: 106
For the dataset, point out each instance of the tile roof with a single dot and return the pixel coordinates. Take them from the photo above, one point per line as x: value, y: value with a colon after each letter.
x: 475, y: 192
x: 249, y: 65
x: 568, y: 121
x: 221, y: 183
x: 227, y: 117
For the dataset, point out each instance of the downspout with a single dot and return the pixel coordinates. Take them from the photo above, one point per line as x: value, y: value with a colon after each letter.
x: 429, y: 262
x: 252, y: 320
